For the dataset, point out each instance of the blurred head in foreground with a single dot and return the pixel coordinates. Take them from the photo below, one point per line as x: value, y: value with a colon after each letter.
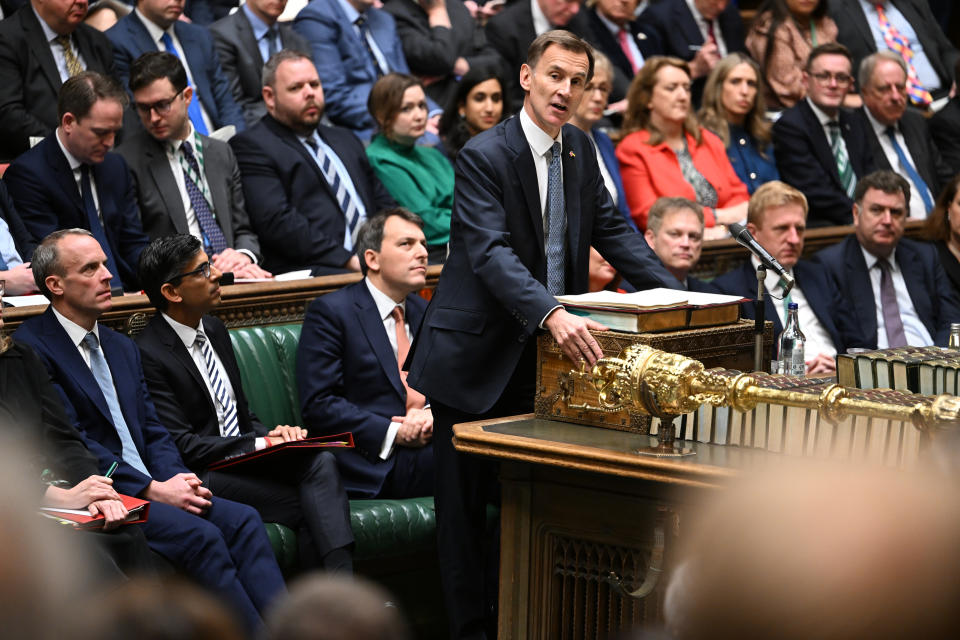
x: 825, y: 554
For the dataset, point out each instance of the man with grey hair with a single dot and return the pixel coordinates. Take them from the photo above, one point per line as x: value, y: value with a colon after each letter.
x: 900, y: 139
x: 308, y: 187
x: 675, y: 233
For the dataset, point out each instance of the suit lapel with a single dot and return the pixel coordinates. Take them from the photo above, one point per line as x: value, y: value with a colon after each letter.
x: 193, y: 52
x: 246, y: 38
x: 126, y: 382
x: 821, y: 143
x: 40, y: 47
x: 64, y: 177
x: 292, y: 141
x: 686, y: 23
x: 166, y: 184
x: 571, y: 196
x: 863, y: 302
x: 169, y: 338
x: 218, y: 181
x: 372, y: 326
x: 912, y: 271
x: 526, y: 175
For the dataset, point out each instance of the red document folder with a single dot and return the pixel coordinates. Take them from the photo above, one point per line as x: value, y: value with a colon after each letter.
x: 281, y: 453
x: 137, y: 509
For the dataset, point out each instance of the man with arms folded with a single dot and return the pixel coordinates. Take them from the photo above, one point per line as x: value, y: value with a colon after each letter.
x: 194, y: 380
x: 221, y: 544
x: 675, y: 233
x: 529, y: 202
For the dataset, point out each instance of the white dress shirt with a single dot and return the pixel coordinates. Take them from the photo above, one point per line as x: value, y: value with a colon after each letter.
x: 540, y: 23
x: 913, y: 328
x: 705, y: 32
x: 917, y: 208
x: 58, y: 54
x: 76, y: 333
x: 818, y: 339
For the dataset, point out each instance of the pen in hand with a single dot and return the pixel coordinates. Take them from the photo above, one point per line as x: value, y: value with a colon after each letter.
x: 113, y: 467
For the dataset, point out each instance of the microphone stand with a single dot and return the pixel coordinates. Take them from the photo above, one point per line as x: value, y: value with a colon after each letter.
x: 759, y: 311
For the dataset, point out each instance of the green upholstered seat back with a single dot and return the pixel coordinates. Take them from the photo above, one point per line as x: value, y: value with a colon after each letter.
x: 268, y: 364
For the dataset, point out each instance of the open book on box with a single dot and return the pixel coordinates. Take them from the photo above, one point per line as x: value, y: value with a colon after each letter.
x: 654, y: 309
x: 80, y: 519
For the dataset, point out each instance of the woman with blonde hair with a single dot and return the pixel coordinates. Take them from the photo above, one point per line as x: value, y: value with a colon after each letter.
x: 733, y: 108
x: 665, y: 152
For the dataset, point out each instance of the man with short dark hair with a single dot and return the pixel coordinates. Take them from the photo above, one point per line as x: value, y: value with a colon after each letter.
x: 194, y: 380
x: 892, y: 287
x: 72, y: 179
x: 220, y: 543
x: 675, y: 233
x: 308, y: 186
x: 186, y: 182
x: 352, y: 346
x: 822, y: 148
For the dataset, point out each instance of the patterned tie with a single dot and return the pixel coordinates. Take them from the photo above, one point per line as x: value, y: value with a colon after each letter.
x: 230, y: 425
x: 213, y: 240
x: 415, y: 399
x: 839, y: 149
x: 193, y: 110
x: 349, y: 208
x: 624, y: 39
x: 95, y: 226
x: 891, y: 310
x: 101, y: 372
x: 271, y: 37
x: 73, y: 62
x: 365, y: 36
x: 918, y: 182
x: 556, y: 225
x: 899, y: 43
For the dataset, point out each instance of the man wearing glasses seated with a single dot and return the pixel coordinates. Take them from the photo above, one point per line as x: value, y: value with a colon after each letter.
x: 822, y: 149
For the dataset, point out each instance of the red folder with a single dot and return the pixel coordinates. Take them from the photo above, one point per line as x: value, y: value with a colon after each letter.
x: 280, y: 453
x: 137, y: 512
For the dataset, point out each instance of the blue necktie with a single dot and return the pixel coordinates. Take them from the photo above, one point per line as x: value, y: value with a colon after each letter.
x: 347, y: 205
x: 227, y: 405
x: 194, y: 109
x: 101, y: 371
x: 915, y: 178
x: 214, y: 242
x: 556, y: 225
x: 365, y: 36
x: 95, y: 226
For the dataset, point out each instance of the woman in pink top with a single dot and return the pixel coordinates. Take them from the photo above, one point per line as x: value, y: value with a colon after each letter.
x: 666, y: 153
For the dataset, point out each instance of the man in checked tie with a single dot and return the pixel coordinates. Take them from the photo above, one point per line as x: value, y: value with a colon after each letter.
x: 893, y: 287
x: 529, y: 202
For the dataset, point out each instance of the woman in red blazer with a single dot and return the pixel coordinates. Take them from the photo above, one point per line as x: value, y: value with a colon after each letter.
x: 666, y: 153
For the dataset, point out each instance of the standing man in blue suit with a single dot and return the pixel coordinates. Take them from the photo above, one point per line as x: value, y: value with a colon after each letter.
x: 349, y: 358
x: 777, y: 219
x: 892, y: 287
x: 529, y: 202
x: 71, y: 179
x: 155, y: 26
x: 97, y: 371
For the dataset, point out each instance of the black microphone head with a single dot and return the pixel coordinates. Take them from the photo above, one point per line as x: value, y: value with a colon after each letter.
x: 736, y: 229
x: 226, y: 278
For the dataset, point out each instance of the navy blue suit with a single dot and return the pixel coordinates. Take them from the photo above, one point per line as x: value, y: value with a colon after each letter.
x: 818, y: 288
x: 227, y: 550
x: 607, y: 43
x: 349, y: 381
x: 291, y: 206
x: 131, y: 40
x: 805, y: 161
x: 47, y: 198
x: 608, y: 156
x: 932, y: 295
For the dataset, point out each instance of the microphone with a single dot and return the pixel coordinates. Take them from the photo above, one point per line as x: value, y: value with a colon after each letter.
x: 227, y: 278
x: 742, y: 236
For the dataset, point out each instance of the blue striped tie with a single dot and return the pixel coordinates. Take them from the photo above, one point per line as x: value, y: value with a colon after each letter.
x: 193, y: 110
x: 918, y: 183
x: 556, y: 225
x: 229, y: 407
x: 340, y: 191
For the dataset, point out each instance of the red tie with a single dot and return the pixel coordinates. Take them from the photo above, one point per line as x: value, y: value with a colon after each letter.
x: 623, y: 39
x: 415, y: 399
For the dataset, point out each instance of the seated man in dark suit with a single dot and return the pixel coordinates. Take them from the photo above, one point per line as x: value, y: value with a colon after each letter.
x: 14, y: 244
x: 352, y: 346
x: 194, y: 380
x: 71, y: 179
x: 821, y: 148
x: 308, y: 186
x: 777, y: 219
x: 900, y: 139
x: 41, y: 46
x: 245, y: 40
x: 675, y: 233
x: 186, y: 182
x: 892, y: 287
x: 618, y: 34
x: 945, y: 128
x: 221, y: 544
x: 698, y: 31
x: 155, y: 26
x: 908, y: 23
x: 512, y: 30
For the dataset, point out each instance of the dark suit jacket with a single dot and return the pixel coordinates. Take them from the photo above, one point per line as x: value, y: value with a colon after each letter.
x: 21, y: 238
x: 30, y: 82
x: 241, y: 60
x: 349, y: 380
x: 161, y: 205
x: 607, y: 43
x: 926, y: 155
x: 131, y: 40
x: 87, y: 408
x: 293, y: 210
x: 47, y: 198
x: 854, y: 32
x: 933, y: 297
x: 695, y: 284
x: 492, y: 295
x: 805, y: 161
x: 180, y: 395
x: 945, y: 129
x: 818, y: 288
x: 511, y: 32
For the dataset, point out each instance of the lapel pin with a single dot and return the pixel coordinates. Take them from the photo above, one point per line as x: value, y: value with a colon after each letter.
x: 573, y: 155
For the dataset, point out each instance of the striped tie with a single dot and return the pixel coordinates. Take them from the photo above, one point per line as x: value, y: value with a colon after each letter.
x: 900, y: 44
x: 349, y: 208
x: 229, y: 407
x: 73, y: 62
x: 839, y: 149
x: 556, y: 231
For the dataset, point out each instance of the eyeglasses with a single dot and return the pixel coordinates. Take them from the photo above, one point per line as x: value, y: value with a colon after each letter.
x: 162, y: 107
x: 602, y: 88
x: 203, y: 270
x: 824, y: 77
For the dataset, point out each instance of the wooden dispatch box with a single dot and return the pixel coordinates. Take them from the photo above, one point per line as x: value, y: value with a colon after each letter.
x: 569, y: 398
